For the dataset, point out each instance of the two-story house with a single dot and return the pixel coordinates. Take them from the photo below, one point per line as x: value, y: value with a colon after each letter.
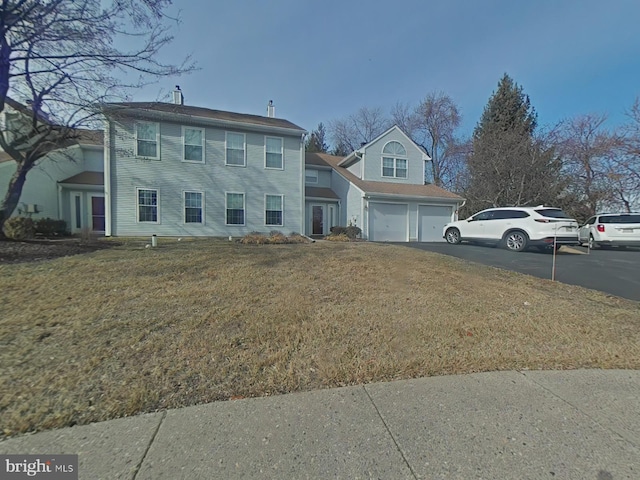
x: 178, y: 170
x: 65, y: 184
x: 379, y: 188
x: 169, y: 169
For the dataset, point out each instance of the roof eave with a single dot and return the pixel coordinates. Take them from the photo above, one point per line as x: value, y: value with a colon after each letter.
x: 214, y: 122
x: 369, y: 195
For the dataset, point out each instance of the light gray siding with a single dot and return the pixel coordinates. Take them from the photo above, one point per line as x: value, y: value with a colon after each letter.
x: 171, y: 177
x: 324, y: 177
x: 356, y: 168
x: 351, y: 198
x: 41, y: 187
x: 373, y: 160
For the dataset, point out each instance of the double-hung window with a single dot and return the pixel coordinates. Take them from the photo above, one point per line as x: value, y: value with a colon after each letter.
x: 394, y: 160
x: 193, y: 144
x: 147, y: 200
x: 193, y: 207
x: 273, y: 205
x: 273, y: 153
x: 235, y: 208
x: 148, y: 140
x: 235, y: 149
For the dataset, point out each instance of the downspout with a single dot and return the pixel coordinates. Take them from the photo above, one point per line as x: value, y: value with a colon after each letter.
x: 303, y: 206
x: 107, y: 178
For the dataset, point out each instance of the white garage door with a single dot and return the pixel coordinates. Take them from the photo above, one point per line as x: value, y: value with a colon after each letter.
x: 388, y: 222
x: 431, y: 219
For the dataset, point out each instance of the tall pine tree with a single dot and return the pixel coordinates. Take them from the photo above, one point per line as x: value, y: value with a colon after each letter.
x: 316, y: 141
x: 509, y: 165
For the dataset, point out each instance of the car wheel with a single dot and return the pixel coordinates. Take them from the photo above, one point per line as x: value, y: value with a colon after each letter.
x: 516, y: 241
x: 452, y: 236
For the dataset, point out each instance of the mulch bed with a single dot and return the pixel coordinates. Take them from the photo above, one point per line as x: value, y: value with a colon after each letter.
x: 14, y: 251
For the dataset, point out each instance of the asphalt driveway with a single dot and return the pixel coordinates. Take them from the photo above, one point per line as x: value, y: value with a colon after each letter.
x: 611, y: 271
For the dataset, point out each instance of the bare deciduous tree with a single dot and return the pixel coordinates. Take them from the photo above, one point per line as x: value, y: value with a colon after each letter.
x: 432, y: 125
x: 589, y: 152
x: 60, y: 57
x: 350, y: 133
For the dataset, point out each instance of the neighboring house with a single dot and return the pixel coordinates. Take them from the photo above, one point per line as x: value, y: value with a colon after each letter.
x: 65, y: 184
x: 172, y: 169
x: 379, y: 188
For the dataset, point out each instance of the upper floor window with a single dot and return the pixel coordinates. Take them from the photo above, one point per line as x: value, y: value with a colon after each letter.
x: 193, y: 144
x: 148, y: 139
x: 394, y: 161
x: 311, y: 176
x: 235, y: 149
x: 273, y: 153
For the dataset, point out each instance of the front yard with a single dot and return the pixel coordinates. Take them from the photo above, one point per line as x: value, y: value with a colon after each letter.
x: 131, y: 329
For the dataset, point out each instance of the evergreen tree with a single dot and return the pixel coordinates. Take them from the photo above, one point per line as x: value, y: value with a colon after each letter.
x: 509, y: 164
x: 316, y: 141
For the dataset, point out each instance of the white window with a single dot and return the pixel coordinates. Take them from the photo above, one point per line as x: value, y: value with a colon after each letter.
x: 147, y: 201
x: 311, y: 176
x: 273, y: 153
x: 235, y: 149
x: 273, y: 206
x: 193, y: 207
x: 394, y: 161
x: 235, y: 208
x: 148, y: 140
x: 193, y: 144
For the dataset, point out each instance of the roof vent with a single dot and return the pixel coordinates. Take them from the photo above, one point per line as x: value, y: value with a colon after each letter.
x: 271, y: 109
x: 178, y: 99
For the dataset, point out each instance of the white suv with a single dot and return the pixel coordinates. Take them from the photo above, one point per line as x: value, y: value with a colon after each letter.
x: 611, y: 229
x: 516, y: 228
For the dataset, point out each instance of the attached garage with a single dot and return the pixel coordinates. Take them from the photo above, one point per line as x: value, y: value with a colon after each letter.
x: 431, y: 220
x: 388, y: 222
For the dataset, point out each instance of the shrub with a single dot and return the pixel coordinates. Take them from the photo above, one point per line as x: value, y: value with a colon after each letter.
x: 275, y: 237
x: 353, y: 232
x: 338, y: 238
x: 20, y: 228
x: 254, y: 238
x: 50, y: 227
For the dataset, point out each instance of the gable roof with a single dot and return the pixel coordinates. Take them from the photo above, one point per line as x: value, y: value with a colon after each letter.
x: 85, y: 178
x: 385, y: 188
x: 199, y: 113
x: 349, y: 159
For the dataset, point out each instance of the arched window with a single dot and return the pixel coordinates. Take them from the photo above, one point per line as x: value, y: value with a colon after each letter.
x: 394, y: 160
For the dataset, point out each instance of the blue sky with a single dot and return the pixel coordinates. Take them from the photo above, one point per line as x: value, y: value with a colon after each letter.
x: 322, y: 60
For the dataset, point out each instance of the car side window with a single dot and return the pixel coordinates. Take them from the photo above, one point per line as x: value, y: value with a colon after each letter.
x: 484, y: 216
x: 591, y: 221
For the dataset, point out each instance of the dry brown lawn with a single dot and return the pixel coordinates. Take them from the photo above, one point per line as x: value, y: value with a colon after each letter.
x: 132, y: 329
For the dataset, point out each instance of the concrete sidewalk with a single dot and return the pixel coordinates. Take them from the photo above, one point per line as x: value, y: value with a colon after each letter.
x: 581, y: 424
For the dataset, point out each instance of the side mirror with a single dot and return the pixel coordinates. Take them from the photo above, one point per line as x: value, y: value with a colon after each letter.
x: 470, y: 219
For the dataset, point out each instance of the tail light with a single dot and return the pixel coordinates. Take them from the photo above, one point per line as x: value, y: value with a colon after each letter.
x: 600, y: 228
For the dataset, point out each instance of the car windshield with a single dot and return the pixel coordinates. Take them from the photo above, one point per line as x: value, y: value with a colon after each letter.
x: 620, y: 219
x: 552, y: 213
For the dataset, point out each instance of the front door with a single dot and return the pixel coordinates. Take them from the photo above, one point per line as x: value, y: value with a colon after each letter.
x: 317, y: 220
x: 96, y: 201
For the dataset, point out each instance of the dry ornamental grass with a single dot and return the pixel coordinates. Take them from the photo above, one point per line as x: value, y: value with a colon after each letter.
x: 132, y: 329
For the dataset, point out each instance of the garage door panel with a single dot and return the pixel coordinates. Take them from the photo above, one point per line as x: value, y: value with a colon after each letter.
x: 431, y: 220
x: 388, y: 222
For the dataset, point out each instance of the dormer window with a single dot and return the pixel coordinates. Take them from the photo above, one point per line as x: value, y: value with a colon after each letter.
x: 394, y: 160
